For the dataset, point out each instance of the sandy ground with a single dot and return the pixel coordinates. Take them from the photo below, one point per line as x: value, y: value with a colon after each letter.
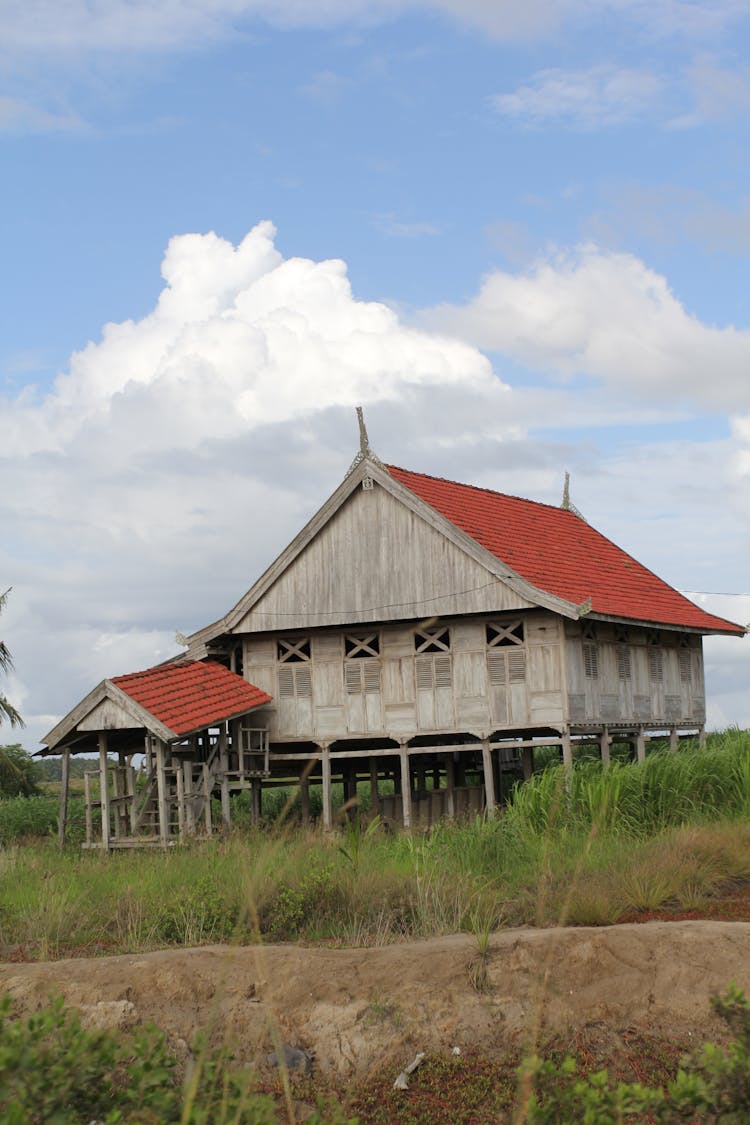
x: 356, y: 1008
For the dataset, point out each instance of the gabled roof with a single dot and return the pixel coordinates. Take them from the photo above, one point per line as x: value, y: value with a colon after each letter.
x: 189, y: 695
x: 556, y: 551
x: 171, y: 701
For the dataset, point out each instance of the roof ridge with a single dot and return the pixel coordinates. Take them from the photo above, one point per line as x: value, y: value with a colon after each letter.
x: 483, y: 488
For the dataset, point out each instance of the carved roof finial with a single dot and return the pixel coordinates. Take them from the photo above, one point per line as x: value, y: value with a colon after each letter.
x: 567, y: 504
x: 364, y: 441
x: 365, y: 452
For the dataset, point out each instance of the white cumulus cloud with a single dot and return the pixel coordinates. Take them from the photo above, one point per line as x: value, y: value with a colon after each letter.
x: 610, y: 316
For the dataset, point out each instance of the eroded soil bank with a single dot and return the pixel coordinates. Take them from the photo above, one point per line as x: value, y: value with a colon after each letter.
x: 358, y: 1008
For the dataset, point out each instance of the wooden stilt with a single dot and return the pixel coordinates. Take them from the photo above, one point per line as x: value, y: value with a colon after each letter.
x: 116, y: 804
x: 604, y: 741
x: 226, y: 808
x: 161, y: 793
x: 489, y: 777
x: 208, y: 816
x: 180, y: 786
x: 188, y: 794
x: 104, y: 788
x: 702, y: 736
x: 130, y: 790
x: 673, y: 739
x: 527, y: 759
x: 567, y: 749
x: 374, y: 795
x: 640, y: 746
x: 87, y: 798
x: 325, y: 769
x: 304, y: 797
x: 450, y: 785
x: 405, y: 785
x: 257, y: 800
x: 64, y: 782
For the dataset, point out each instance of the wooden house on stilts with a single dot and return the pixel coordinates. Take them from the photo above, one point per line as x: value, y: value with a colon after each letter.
x: 417, y: 631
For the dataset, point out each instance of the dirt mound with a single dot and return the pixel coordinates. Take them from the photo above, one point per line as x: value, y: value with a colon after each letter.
x: 356, y: 1008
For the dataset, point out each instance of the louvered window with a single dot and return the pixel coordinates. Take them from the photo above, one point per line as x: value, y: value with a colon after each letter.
x: 506, y: 667
x: 433, y: 671
x: 656, y: 665
x: 623, y: 661
x: 591, y: 661
x: 295, y: 678
x: 685, y: 666
x: 362, y: 676
x: 295, y: 681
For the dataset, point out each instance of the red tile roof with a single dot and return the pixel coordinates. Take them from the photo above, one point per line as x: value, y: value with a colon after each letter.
x: 189, y: 695
x: 558, y: 552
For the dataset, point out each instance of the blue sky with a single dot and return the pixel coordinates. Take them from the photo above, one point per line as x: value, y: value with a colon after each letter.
x: 518, y: 234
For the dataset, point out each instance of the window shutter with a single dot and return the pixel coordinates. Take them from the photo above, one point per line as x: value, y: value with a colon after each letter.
x: 516, y: 667
x: 424, y: 673
x: 496, y: 667
x: 443, y: 674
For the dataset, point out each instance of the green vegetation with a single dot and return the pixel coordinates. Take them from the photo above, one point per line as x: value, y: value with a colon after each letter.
x: 19, y: 772
x: 54, y: 1070
x: 8, y: 712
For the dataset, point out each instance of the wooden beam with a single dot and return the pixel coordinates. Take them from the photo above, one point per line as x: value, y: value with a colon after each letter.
x: 104, y: 788
x: 64, y: 781
x: 180, y: 787
x: 640, y: 746
x: 207, y: 796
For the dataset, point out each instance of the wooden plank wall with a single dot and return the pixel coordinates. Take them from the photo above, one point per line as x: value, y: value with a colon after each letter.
x: 402, y: 693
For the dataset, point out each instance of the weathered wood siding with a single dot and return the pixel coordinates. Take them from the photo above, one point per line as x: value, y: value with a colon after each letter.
x: 377, y: 560
x: 469, y: 686
x: 618, y: 675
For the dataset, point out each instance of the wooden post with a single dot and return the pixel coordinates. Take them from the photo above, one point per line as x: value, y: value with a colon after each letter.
x: 702, y: 736
x: 450, y: 785
x: 188, y: 792
x: 63, y: 821
x: 489, y: 777
x: 604, y: 741
x: 405, y: 785
x: 640, y: 746
x: 130, y: 785
x: 374, y: 796
x: 304, y: 796
x: 325, y: 769
x: 673, y: 739
x: 180, y: 786
x: 207, y: 797
x: 567, y: 749
x: 226, y: 808
x: 104, y: 788
x: 161, y: 793
x: 257, y: 799
x: 116, y: 794
x: 527, y: 758
x: 89, y: 817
